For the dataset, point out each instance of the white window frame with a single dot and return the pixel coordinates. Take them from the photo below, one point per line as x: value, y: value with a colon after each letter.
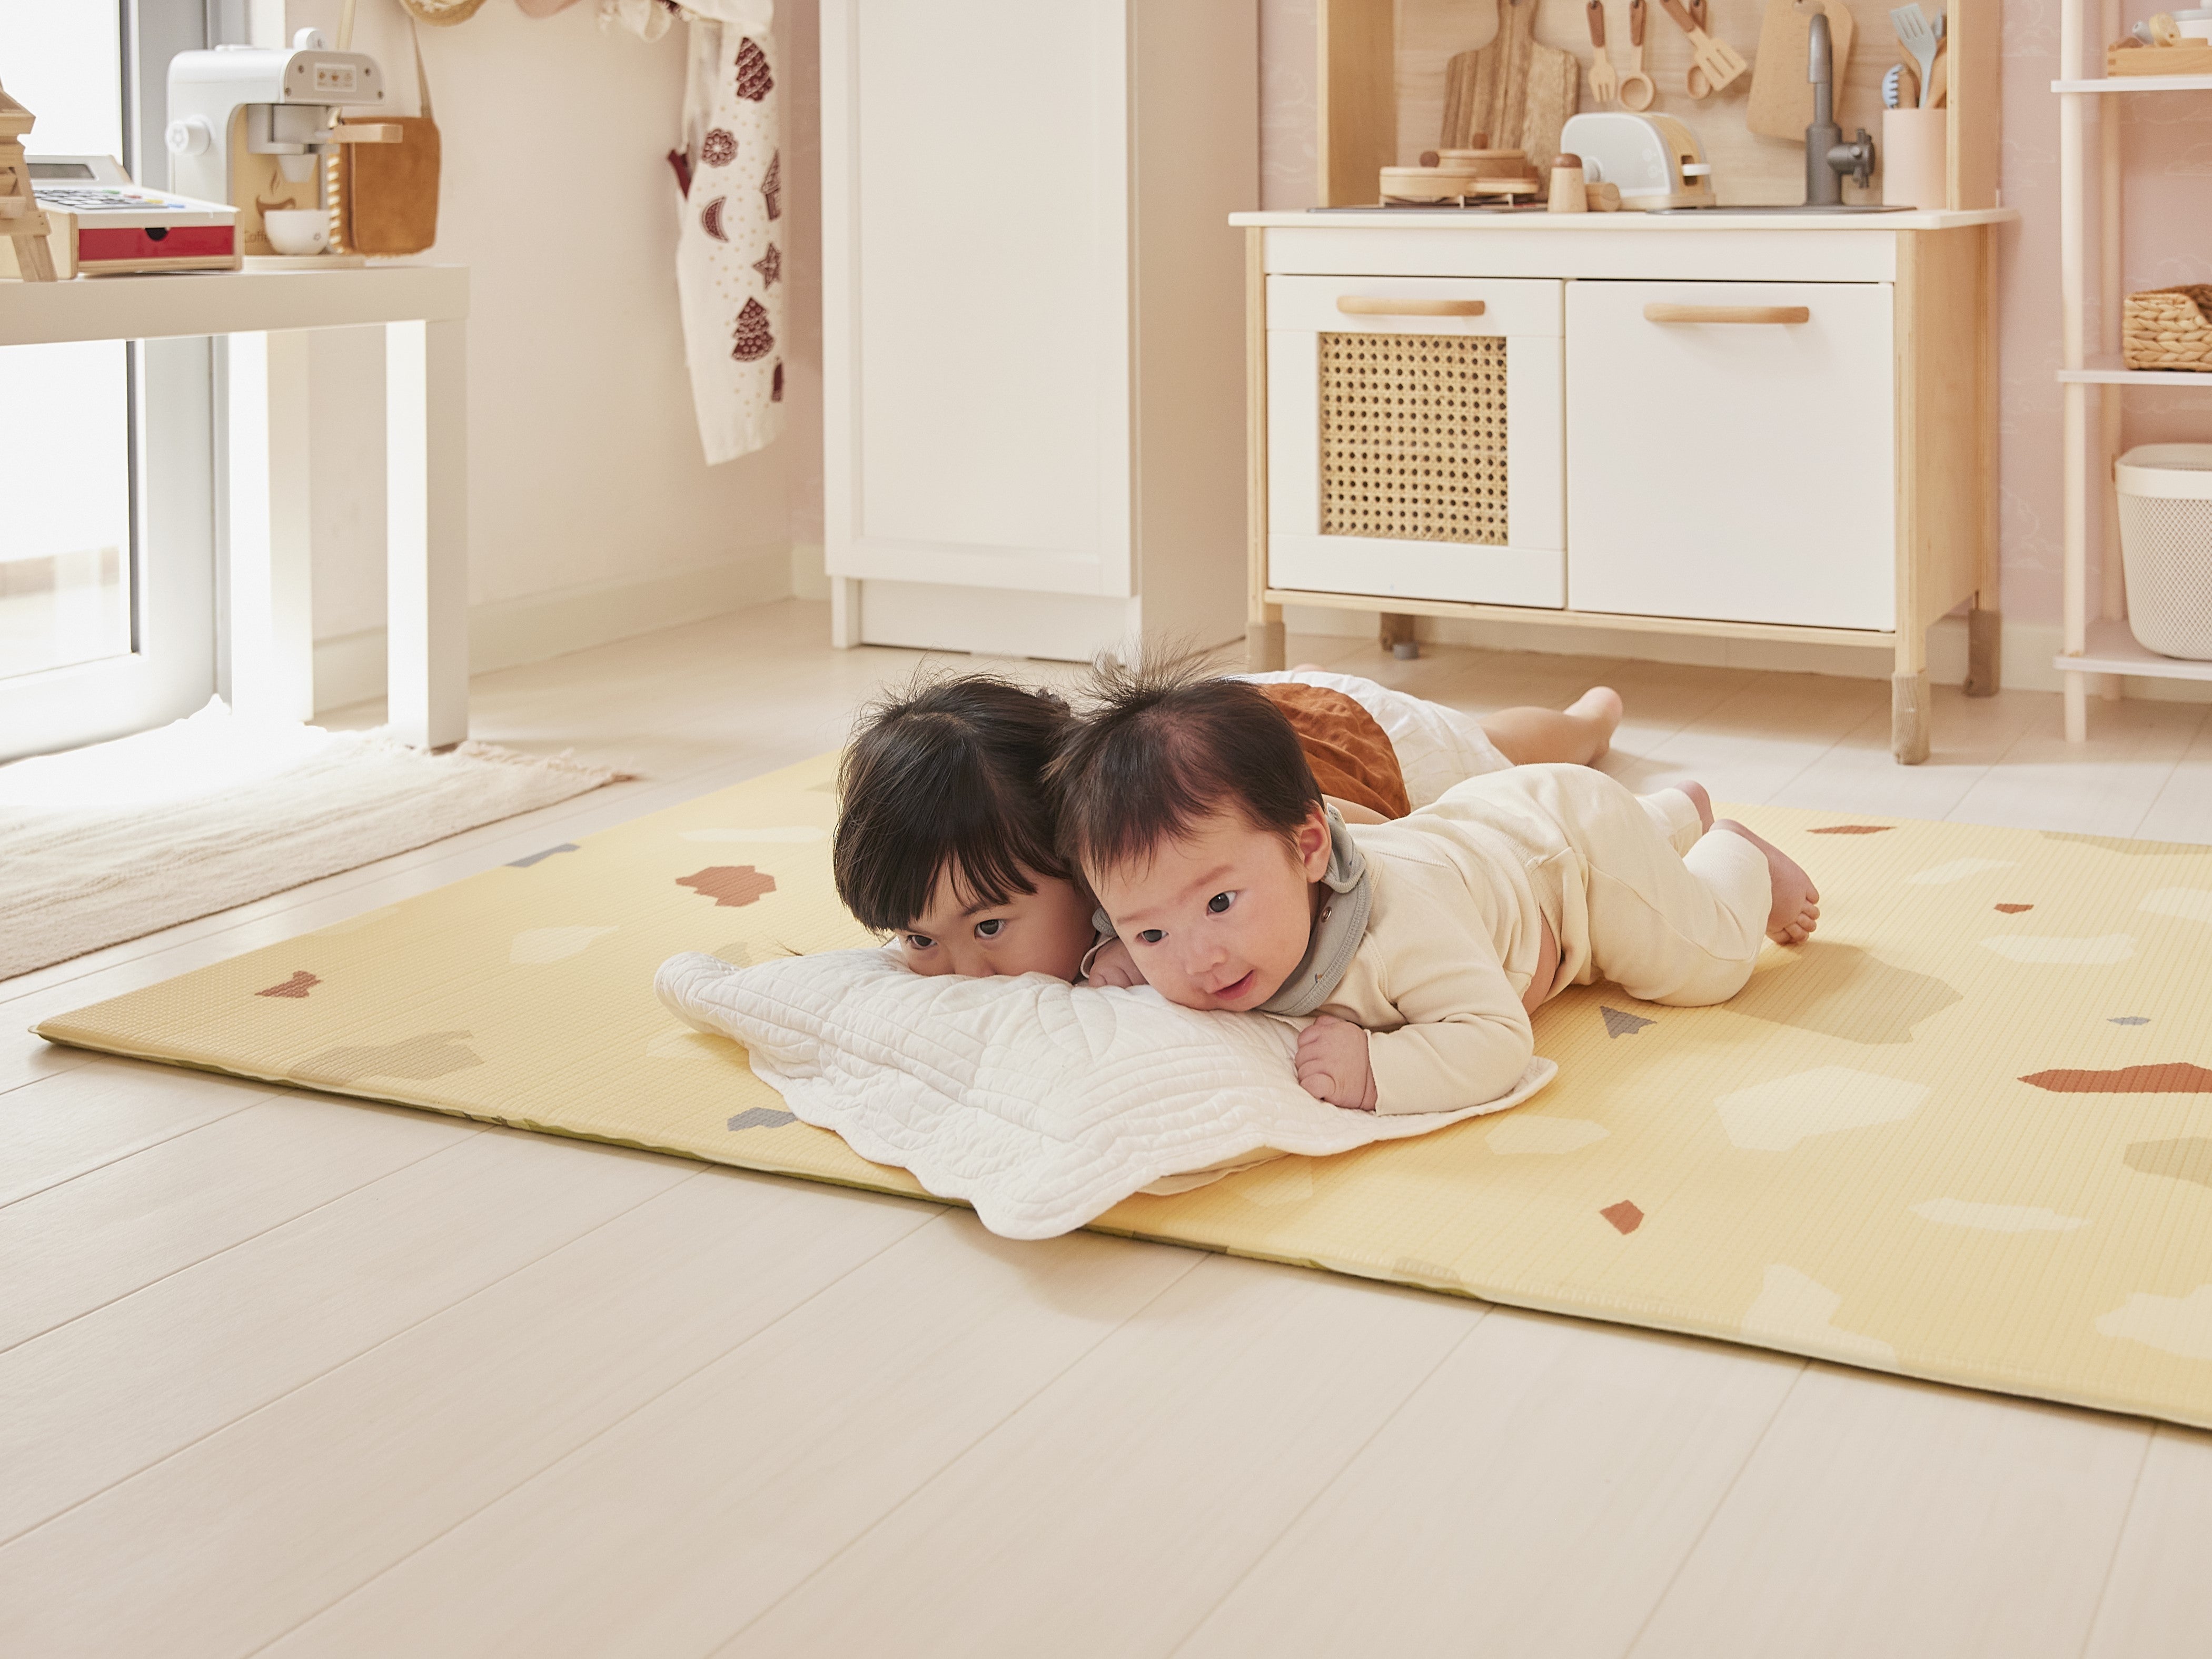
x: 171, y: 668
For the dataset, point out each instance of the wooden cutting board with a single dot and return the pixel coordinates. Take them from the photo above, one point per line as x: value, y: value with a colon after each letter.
x: 1781, y: 97
x: 1486, y: 90
x: 1555, y: 80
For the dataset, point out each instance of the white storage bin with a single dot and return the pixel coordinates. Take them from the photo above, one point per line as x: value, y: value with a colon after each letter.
x: 2166, y: 546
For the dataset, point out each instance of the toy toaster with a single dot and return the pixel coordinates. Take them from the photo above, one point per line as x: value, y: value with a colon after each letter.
x: 1655, y: 161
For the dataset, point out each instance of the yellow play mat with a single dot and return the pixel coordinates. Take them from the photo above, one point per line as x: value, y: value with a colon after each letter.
x: 1965, y: 1134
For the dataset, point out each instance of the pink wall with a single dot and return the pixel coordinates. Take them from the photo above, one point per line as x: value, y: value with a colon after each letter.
x: 2167, y: 140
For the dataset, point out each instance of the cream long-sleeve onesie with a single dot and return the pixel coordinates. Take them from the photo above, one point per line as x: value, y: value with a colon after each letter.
x: 1633, y: 890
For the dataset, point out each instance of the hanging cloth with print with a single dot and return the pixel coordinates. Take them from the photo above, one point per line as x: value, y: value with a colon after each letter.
x: 729, y: 253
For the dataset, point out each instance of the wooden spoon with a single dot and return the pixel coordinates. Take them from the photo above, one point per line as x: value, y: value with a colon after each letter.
x: 1637, y: 90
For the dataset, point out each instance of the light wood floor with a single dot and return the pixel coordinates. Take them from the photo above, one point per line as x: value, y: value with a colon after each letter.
x: 282, y: 1374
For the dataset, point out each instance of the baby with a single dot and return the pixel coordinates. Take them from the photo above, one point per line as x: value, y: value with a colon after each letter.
x: 946, y: 838
x: 1423, y: 945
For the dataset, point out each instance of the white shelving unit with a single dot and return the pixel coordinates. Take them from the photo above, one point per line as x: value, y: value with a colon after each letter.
x: 2104, y: 648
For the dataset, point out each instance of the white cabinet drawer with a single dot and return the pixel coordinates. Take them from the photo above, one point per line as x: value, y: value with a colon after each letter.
x: 1330, y: 304
x: 1414, y: 441
x: 1741, y: 470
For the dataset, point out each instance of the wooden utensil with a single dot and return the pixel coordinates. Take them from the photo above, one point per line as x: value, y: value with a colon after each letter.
x: 1781, y: 104
x: 1637, y: 91
x: 1721, y: 64
x: 1554, y: 92
x: 1603, y: 83
x: 1694, y: 78
x: 1486, y: 90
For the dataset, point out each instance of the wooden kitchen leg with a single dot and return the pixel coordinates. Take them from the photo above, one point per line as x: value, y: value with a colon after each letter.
x: 426, y: 511
x: 1908, y: 698
x: 1984, y: 651
x: 272, y: 636
x: 1265, y: 650
x: 1397, y: 636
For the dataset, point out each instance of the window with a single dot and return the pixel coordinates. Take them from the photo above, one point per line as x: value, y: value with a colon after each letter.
x: 66, y: 553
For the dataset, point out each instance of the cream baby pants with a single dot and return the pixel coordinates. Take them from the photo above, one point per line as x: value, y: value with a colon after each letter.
x: 1643, y: 897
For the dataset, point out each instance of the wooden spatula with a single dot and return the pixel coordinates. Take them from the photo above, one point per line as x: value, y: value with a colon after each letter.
x: 1721, y: 62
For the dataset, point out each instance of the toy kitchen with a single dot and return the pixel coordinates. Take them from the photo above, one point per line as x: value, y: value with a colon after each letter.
x: 1640, y: 315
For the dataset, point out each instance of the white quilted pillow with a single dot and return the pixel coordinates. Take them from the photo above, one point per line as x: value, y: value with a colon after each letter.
x: 1041, y: 1104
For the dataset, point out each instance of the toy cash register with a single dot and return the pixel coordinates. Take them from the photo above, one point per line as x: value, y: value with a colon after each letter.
x: 103, y: 224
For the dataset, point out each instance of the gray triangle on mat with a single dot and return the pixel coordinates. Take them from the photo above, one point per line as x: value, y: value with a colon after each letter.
x: 761, y: 1117
x: 537, y: 857
x: 1619, y: 1022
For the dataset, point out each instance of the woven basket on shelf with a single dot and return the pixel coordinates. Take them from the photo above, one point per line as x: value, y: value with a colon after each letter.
x: 2169, y: 328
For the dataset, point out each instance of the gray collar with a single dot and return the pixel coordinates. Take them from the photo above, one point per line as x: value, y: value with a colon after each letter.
x: 1337, y: 930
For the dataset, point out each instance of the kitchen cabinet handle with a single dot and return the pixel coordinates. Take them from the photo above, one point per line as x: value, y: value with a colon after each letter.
x: 1659, y: 312
x: 1360, y: 305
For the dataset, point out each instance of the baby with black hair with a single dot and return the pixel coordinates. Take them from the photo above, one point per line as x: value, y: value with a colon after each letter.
x: 1424, y: 945
x: 947, y: 841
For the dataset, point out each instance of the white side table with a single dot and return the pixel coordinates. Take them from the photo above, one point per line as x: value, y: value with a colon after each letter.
x: 264, y: 318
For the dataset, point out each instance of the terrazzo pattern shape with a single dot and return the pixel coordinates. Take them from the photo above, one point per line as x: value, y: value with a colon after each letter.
x: 1965, y: 1134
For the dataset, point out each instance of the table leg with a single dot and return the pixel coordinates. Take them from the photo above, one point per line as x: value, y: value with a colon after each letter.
x: 427, y: 531
x: 272, y: 646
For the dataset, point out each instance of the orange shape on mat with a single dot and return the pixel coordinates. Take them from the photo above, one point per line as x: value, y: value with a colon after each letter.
x: 2178, y: 1077
x: 1623, y: 1215
x: 2015, y: 909
x: 1851, y: 829
x: 732, y: 884
x: 299, y: 985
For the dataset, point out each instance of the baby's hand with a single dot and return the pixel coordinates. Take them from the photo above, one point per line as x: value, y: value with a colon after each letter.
x: 1333, y: 1064
x: 1114, y: 965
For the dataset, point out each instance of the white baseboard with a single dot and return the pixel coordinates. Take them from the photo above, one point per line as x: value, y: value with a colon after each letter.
x: 2029, y: 648
x: 508, y: 632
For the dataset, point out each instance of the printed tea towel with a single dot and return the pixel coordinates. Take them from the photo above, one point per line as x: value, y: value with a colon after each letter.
x: 729, y: 254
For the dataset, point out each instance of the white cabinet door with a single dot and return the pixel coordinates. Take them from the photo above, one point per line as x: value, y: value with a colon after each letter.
x: 1416, y: 453
x: 977, y: 292
x: 1741, y: 470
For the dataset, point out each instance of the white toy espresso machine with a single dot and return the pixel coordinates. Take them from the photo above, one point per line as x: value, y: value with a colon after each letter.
x: 249, y: 125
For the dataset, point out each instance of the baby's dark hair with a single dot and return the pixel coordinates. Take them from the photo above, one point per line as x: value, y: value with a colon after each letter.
x: 1162, y: 745
x: 947, y: 775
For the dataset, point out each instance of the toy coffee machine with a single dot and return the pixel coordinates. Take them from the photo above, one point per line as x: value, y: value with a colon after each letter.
x: 250, y: 125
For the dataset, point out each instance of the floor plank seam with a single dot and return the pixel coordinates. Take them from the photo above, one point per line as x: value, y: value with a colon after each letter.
x: 2119, y: 1537
x: 1198, y: 1258
x: 1720, y: 1502
x: 606, y: 1428
x: 1484, y: 1309
x: 61, y: 1066
x: 214, y: 1255
x: 254, y: 1411
x: 245, y: 1104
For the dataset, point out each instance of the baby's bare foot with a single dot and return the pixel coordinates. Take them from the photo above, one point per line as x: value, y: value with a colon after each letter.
x: 1704, y: 803
x: 1601, y: 705
x: 1797, y: 909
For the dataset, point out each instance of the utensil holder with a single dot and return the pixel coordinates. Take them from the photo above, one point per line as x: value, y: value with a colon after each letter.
x: 1915, y: 158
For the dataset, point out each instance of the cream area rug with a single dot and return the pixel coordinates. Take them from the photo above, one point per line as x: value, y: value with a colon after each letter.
x: 107, y: 843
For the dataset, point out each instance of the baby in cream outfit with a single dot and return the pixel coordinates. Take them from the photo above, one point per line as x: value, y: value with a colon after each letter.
x: 1422, y: 944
